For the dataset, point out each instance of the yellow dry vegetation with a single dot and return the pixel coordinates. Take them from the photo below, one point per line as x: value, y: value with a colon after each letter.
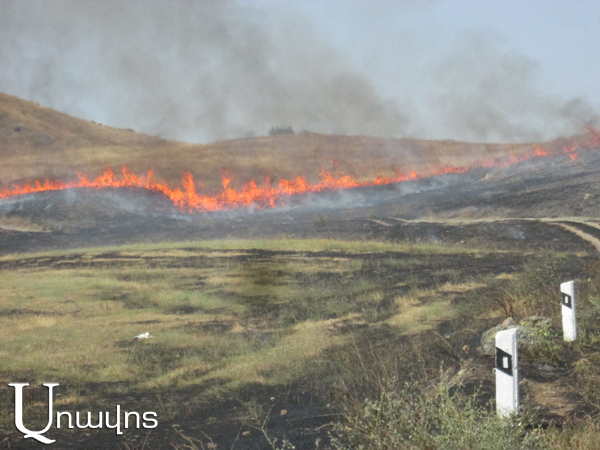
x: 414, y: 316
x: 76, y: 145
x: 462, y: 287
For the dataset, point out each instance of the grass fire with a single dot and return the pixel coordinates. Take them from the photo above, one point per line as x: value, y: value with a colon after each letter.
x: 267, y: 195
x: 259, y: 321
x: 260, y: 225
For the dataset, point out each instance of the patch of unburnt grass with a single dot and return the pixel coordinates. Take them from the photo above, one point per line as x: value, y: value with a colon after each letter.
x: 376, y: 321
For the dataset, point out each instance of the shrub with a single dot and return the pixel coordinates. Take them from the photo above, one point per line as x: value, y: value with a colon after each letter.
x: 534, y: 293
x: 417, y: 416
x: 280, y: 130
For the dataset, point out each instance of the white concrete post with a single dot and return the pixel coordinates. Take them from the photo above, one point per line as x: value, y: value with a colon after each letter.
x: 507, y: 373
x: 567, y: 293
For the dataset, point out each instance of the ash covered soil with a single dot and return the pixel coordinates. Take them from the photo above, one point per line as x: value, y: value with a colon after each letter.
x: 523, y: 206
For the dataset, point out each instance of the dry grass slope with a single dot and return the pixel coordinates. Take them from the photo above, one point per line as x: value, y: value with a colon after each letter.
x: 38, y: 142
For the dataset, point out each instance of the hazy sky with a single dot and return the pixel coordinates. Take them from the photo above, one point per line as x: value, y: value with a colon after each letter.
x: 207, y: 70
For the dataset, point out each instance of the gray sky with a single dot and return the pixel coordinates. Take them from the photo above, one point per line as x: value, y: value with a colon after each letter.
x: 476, y: 70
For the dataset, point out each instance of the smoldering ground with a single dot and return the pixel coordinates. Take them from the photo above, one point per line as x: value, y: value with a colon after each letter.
x: 448, y: 209
x: 84, y: 207
x: 203, y: 71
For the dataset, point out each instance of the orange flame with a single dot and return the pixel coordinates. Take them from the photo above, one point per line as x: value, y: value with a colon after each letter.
x: 266, y: 195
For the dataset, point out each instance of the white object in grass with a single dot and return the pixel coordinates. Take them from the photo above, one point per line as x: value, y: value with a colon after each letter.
x: 567, y: 293
x: 507, y: 373
x: 145, y: 335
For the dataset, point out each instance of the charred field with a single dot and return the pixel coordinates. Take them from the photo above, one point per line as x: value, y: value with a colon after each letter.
x: 287, y: 327
x: 521, y: 206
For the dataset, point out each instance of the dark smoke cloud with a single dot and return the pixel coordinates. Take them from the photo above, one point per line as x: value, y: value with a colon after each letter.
x: 208, y: 70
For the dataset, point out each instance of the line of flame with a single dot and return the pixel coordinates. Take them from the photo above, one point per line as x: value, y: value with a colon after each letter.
x: 266, y: 195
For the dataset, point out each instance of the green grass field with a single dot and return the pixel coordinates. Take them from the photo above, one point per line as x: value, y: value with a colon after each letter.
x: 225, y: 315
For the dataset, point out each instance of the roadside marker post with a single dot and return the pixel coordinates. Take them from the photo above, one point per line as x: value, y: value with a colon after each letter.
x: 507, y: 373
x: 569, y: 320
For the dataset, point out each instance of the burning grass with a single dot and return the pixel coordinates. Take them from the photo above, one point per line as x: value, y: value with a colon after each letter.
x: 268, y: 195
x: 78, y: 145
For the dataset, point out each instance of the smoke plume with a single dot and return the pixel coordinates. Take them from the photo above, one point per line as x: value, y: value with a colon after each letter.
x: 209, y: 70
x: 488, y: 95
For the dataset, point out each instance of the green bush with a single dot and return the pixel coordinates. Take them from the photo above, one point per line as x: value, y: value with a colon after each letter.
x: 424, y: 417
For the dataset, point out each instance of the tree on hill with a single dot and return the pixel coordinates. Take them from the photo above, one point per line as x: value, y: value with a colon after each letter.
x: 280, y: 130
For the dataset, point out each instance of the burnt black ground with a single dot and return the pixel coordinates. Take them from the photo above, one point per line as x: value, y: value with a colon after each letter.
x: 539, y: 188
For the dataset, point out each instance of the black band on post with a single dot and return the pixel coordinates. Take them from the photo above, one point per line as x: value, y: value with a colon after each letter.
x: 566, y: 300
x: 503, y: 361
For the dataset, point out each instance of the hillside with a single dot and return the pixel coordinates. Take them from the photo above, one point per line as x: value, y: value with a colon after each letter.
x: 38, y: 142
x: 289, y: 322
